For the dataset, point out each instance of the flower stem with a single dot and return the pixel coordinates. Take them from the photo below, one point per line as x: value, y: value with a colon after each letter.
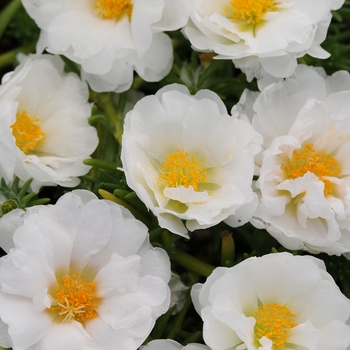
x: 185, y: 260
x: 109, y: 196
x: 8, y: 58
x: 179, y: 318
x: 7, y: 14
x: 105, y: 100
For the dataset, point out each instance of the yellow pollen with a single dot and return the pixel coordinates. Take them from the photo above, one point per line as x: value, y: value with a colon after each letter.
x: 75, y: 298
x: 273, y: 321
x: 308, y: 159
x: 182, y: 169
x: 27, y: 132
x: 251, y: 11
x: 110, y: 9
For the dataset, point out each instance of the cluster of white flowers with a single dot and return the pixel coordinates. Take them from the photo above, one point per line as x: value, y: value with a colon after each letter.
x: 82, y: 274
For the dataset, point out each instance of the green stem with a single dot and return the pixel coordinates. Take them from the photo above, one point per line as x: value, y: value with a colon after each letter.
x: 185, y: 260
x: 109, y: 196
x: 7, y: 14
x: 105, y: 100
x: 8, y: 58
x: 179, y: 318
x: 191, y: 263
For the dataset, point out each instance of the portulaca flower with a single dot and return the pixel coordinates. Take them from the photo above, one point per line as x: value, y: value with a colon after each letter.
x: 82, y: 275
x: 275, y: 302
x: 264, y: 37
x: 168, y: 344
x: 110, y: 38
x: 44, y: 131
x: 304, y: 178
x: 187, y: 159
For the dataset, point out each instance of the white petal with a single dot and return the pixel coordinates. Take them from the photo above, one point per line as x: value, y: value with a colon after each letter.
x: 26, y: 325
x: 70, y: 336
x: 125, y: 272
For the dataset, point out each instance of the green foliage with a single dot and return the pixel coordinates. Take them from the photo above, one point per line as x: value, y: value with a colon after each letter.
x: 17, y: 197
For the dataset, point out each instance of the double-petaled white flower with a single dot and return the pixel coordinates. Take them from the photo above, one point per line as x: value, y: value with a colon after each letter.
x: 304, y: 179
x: 110, y: 38
x: 262, y: 37
x: 82, y: 275
x: 44, y: 131
x: 187, y: 159
x: 167, y: 344
x: 275, y: 302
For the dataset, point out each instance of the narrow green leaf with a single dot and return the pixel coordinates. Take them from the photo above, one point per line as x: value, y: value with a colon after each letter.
x: 14, y: 187
x: 98, y: 163
x: 7, y: 14
x: 24, y: 189
x: 96, y: 118
x: 41, y: 201
x: 26, y: 199
x: 162, y: 323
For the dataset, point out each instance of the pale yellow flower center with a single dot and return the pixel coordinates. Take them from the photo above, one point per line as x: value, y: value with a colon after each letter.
x: 27, y: 132
x: 251, y: 11
x: 308, y: 159
x: 74, y: 298
x: 273, y: 321
x: 110, y: 9
x: 182, y: 169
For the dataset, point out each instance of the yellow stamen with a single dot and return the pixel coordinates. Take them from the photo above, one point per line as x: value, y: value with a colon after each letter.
x: 308, y: 159
x: 27, y: 132
x: 251, y: 11
x: 273, y: 321
x: 110, y: 9
x: 182, y: 169
x: 73, y: 298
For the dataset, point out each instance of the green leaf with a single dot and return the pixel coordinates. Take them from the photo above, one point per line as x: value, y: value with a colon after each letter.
x: 24, y: 189
x: 161, y: 323
x: 7, y: 14
x: 98, y: 163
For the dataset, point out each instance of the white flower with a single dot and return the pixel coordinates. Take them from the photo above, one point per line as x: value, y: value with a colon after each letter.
x: 168, y: 344
x: 304, y: 180
x: 110, y: 38
x: 44, y: 131
x: 275, y: 302
x: 187, y: 159
x: 262, y: 37
x: 82, y: 275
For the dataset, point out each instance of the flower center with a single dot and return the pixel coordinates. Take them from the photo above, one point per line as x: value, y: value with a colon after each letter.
x: 27, y: 132
x: 182, y: 169
x: 273, y: 321
x: 110, y: 9
x: 308, y: 159
x: 74, y: 298
x: 251, y: 11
